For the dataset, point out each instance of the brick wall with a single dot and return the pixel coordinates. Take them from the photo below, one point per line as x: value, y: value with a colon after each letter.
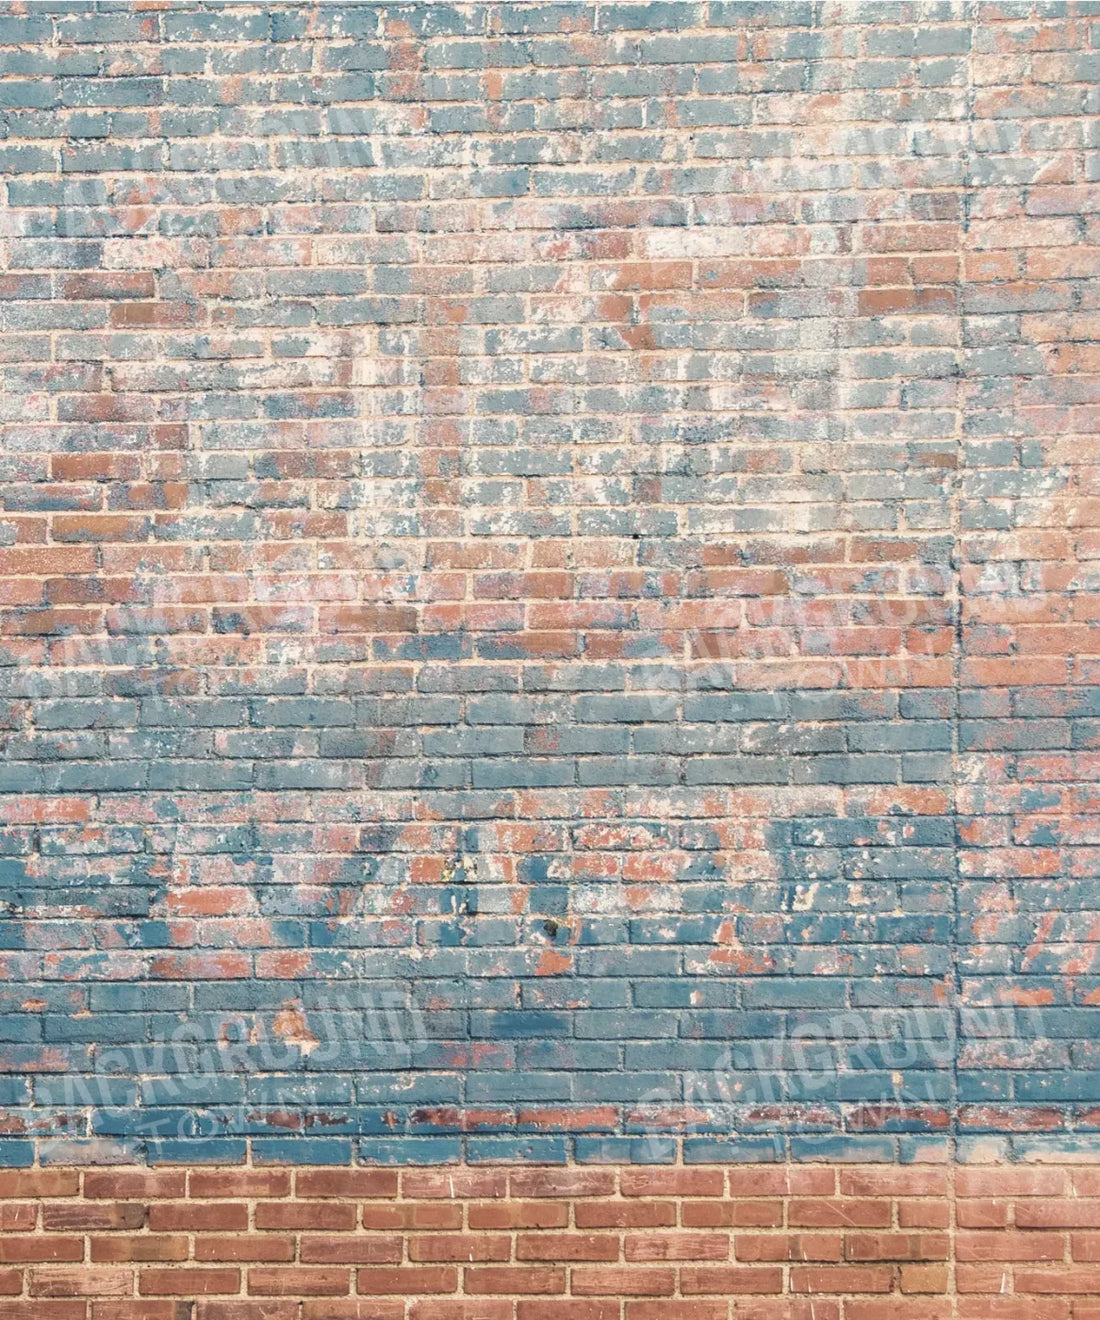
x: 547, y: 607
x: 542, y: 1244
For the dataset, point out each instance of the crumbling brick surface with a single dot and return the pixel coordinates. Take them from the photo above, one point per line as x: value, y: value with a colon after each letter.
x: 547, y: 613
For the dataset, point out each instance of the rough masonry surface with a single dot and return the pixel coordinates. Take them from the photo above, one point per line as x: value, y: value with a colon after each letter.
x: 548, y: 586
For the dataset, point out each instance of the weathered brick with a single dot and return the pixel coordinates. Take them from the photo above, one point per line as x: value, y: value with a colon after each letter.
x: 548, y: 618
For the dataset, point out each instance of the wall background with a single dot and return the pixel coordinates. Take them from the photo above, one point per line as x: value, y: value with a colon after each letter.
x: 547, y: 605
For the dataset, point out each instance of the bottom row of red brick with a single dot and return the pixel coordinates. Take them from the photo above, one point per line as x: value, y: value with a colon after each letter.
x: 807, y: 1242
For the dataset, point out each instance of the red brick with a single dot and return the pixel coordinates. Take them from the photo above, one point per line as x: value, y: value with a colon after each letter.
x: 18, y: 1249
x: 23, y: 1183
x: 134, y: 1184
x: 526, y: 1214
x: 299, y: 1281
x: 622, y: 1280
x: 1013, y: 1308
x: 79, y: 1281
x: 351, y: 1250
x: 147, y: 1310
x: 841, y: 1279
x: 265, y: 1310
x: 1059, y: 1280
x: 564, y: 1309
x: 561, y: 1182
x: 349, y: 1183
x: 666, y: 1310
x: 900, y: 1182
x: 672, y: 1182
x: 81, y: 1215
x: 797, y: 1246
x: 731, y: 1214
x: 606, y: 1250
x: 923, y: 1278
x: 139, y: 1247
x: 924, y: 1214
x: 567, y: 1246
x: 982, y: 1214
x: 896, y: 1246
x: 16, y: 1217
x: 453, y: 1184
x: 255, y: 1246
x: 323, y: 1215
x: 839, y: 1214
x: 186, y: 1282
x: 905, y: 1308
x: 427, y: 1215
x: 513, y: 1279
x: 730, y: 1279
x: 992, y: 1245
x: 617, y: 1214
x: 1068, y: 1213
x: 184, y: 1216
x: 482, y: 1308
x: 408, y: 1280
x: 1010, y: 1182
x: 676, y: 1246
x: 1083, y: 1246
x: 40, y: 1310
x: 457, y: 1247
x: 238, y: 1184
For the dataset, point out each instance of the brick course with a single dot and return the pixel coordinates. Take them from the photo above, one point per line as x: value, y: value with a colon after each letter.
x: 416, y: 1246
